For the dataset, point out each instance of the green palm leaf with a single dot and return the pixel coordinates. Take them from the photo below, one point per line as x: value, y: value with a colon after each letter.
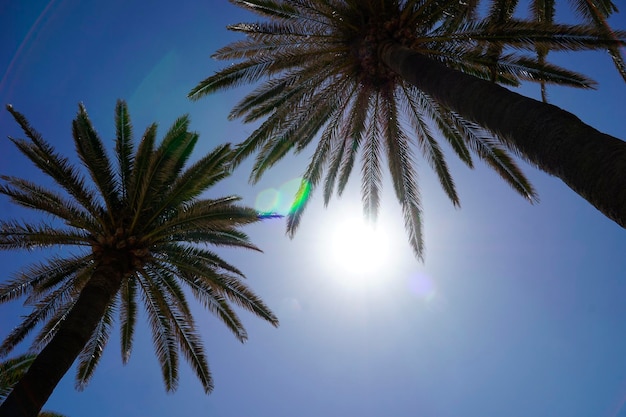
x: 11, y: 370
x: 128, y: 316
x: 124, y: 146
x: 91, y: 151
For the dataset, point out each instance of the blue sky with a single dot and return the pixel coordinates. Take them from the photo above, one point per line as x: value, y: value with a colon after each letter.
x: 518, y: 310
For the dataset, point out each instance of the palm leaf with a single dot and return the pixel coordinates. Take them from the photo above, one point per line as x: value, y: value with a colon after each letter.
x: 38, y: 277
x: 91, y: 152
x: 162, y: 336
x: 175, y: 308
x: 43, y: 156
x: 33, y: 196
x: 124, y: 146
x: 371, y: 171
x: 491, y: 151
x: 92, y: 352
x: 43, y: 309
x: 356, y: 125
x: 11, y: 370
x: 128, y: 316
x: 14, y: 235
x: 268, y: 8
x: 429, y: 147
x: 400, y: 165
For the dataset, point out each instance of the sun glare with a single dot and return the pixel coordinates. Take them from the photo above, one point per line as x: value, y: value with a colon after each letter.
x: 358, y: 249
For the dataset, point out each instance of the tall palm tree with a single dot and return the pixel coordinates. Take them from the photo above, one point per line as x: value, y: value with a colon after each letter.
x: 11, y: 370
x: 141, y: 231
x: 376, y: 76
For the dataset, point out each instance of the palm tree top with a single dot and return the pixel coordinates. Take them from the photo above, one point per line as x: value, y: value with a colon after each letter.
x: 323, y: 76
x: 143, y: 225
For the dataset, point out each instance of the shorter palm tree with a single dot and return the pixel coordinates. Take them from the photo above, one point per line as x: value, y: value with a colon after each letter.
x: 141, y: 232
x: 11, y: 370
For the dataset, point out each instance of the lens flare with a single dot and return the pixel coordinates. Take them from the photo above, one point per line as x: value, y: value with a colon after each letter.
x: 422, y: 286
x: 287, y: 198
x: 267, y: 201
x: 301, y: 195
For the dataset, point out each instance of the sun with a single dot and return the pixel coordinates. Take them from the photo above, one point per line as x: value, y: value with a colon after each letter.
x: 358, y: 249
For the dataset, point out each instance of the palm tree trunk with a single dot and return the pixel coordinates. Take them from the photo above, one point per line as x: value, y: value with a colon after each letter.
x: 32, y: 391
x: 591, y: 163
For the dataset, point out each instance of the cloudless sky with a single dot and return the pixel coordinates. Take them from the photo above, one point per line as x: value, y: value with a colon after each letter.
x: 519, y: 310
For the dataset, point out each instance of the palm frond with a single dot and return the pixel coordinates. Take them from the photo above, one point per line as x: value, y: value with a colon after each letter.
x: 400, y: 162
x: 527, y: 35
x: 288, y: 32
x: 233, y: 76
x: 33, y: 196
x: 429, y: 147
x: 11, y: 371
x: 51, y: 327
x: 43, y: 156
x: 301, y: 199
x: 91, y: 152
x: 140, y: 167
x: 163, y: 167
x: 298, y: 132
x: 50, y: 414
x: 206, y: 257
x: 202, y: 276
x: 124, y: 146
x: 356, y: 125
x: 371, y: 166
x: 92, y: 352
x: 43, y: 309
x: 207, y: 217
x: 278, y: 95
x: 491, y: 151
x: 337, y: 151
x: 38, y: 277
x: 175, y: 308
x: 437, y: 115
x: 14, y: 235
x: 162, y: 333
x: 269, y: 8
x: 596, y: 13
x: 128, y: 316
x: 529, y: 69
x: 588, y: 9
x: 313, y: 173
x: 216, y: 304
x: 190, y: 184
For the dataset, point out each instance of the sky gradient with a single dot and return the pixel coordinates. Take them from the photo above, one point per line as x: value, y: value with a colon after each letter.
x: 519, y: 310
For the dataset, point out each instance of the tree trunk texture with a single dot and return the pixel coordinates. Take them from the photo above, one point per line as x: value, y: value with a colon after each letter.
x: 32, y: 391
x: 591, y: 163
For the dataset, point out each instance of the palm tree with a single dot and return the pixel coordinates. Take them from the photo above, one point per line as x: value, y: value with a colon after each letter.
x: 375, y: 77
x: 11, y: 370
x: 141, y: 231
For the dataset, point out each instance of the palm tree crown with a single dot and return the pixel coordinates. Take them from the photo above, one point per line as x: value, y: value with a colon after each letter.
x: 327, y: 74
x: 142, y: 230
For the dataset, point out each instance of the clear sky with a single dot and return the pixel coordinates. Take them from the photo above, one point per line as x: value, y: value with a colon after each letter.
x: 519, y: 310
